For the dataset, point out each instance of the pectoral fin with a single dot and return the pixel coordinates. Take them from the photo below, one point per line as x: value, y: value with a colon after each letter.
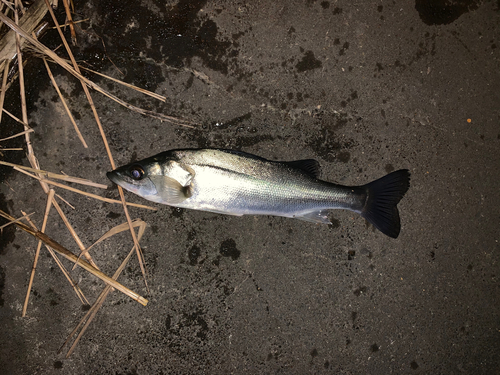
x: 170, y: 190
x: 319, y: 217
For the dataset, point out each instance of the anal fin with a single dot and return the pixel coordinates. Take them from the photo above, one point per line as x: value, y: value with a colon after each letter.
x: 318, y: 217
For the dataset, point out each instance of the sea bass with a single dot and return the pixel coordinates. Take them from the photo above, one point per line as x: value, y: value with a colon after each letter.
x: 236, y: 183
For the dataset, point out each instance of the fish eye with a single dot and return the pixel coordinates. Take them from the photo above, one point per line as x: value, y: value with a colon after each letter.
x: 136, y: 172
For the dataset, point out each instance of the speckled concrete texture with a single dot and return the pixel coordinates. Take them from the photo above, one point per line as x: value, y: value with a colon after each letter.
x: 363, y: 87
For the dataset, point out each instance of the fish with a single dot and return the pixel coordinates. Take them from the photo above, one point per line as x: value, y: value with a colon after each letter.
x: 237, y: 183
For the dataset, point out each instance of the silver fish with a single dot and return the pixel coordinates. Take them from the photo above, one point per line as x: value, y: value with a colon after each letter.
x: 237, y: 183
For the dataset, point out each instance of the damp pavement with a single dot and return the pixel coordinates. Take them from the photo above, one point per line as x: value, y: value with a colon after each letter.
x: 365, y: 88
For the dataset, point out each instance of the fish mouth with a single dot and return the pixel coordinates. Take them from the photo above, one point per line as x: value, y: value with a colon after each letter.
x: 113, y: 177
x: 120, y: 179
x: 144, y: 188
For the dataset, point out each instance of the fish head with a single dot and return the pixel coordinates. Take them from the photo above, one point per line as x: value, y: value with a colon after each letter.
x: 160, y: 179
x: 138, y: 178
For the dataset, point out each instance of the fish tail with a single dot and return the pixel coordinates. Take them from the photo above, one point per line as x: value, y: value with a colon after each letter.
x: 383, y: 195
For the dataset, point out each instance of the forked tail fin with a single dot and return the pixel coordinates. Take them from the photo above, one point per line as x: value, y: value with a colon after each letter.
x: 381, y: 204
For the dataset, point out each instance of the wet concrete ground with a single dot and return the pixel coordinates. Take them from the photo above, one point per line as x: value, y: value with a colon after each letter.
x: 365, y: 88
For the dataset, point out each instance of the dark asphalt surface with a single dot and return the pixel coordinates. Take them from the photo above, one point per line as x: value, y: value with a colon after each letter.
x: 365, y: 88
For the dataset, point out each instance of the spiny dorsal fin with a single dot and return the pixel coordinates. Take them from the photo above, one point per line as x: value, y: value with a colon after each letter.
x: 310, y: 166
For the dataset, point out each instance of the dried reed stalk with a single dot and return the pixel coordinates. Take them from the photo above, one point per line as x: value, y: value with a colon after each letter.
x: 15, y: 118
x: 130, y: 86
x: 56, y: 176
x: 2, y: 5
x: 17, y: 135
x: 21, y: 80
x: 63, y: 101
x: 73, y: 232
x: 69, y: 204
x: 69, y: 20
x: 25, y: 216
x: 32, y: 17
x: 4, y: 87
x: 37, y: 252
x: 74, y: 285
x: 74, y: 22
x: 31, y: 157
x: 138, y: 249
x: 34, y: 163
x: 73, y: 258
x: 45, y: 188
x: 106, y: 144
x: 115, y: 230
x: 87, y: 319
x: 41, y: 48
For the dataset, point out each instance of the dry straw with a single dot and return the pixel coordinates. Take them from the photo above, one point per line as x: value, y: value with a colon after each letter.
x: 37, y: 252
x: 73, y: 258
x: 86, y: 82
x: 21, y: 31
x: 87, y: 319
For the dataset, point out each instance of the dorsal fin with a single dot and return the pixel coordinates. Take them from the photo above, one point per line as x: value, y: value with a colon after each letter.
x: 310, y: 166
